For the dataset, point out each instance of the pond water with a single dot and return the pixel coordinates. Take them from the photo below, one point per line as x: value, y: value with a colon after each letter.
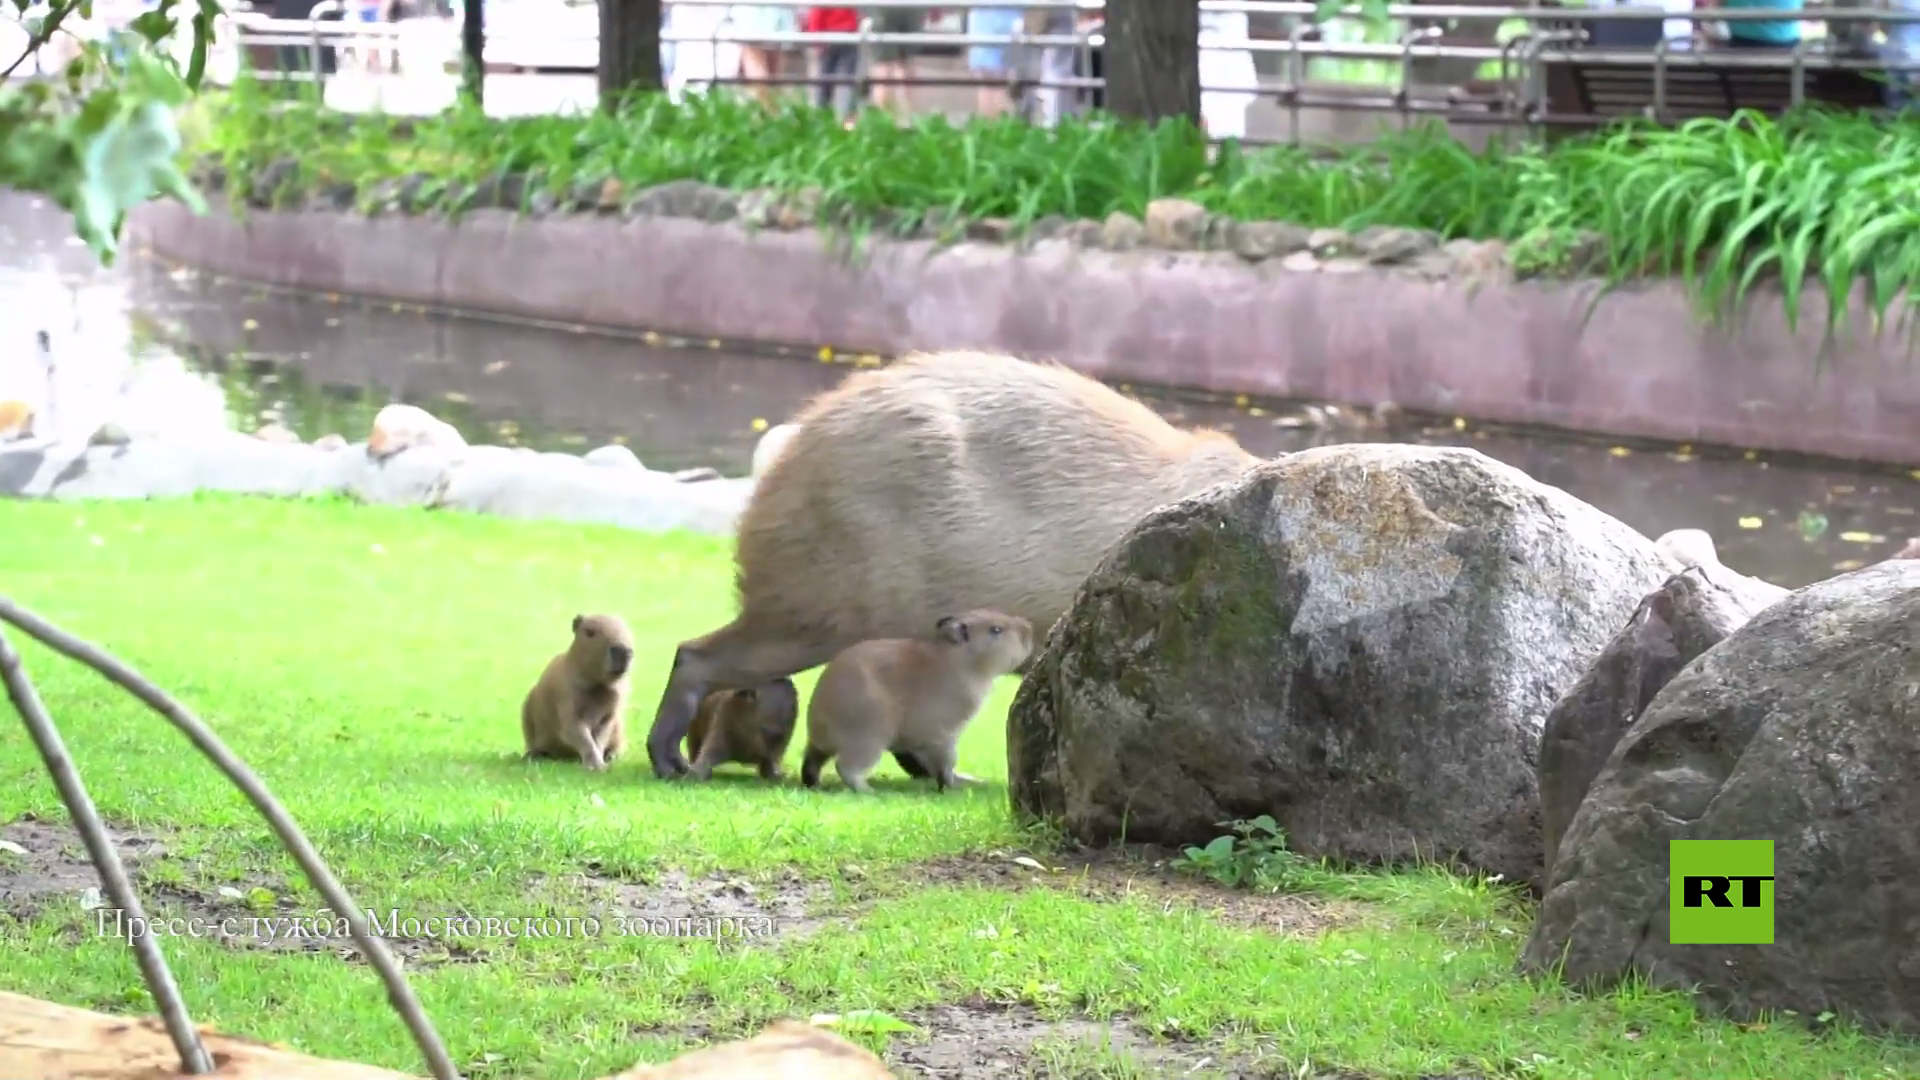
x: 160, y: 348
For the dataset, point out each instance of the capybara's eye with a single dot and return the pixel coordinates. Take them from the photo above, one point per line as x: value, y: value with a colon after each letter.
x: 994, y: 629
x: 591, y: 632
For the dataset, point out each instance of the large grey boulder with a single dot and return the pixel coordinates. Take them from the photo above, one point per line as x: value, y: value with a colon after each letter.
x: 1691, y: 613
x: 1802, y: 728
x: 1361, y: 640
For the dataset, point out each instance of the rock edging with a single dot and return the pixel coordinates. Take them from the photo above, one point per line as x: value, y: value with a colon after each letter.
x: 1436, y: 329
x: 516, y: 482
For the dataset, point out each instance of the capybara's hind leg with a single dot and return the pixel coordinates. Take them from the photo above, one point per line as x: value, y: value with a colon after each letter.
x: 853, y: 765
x: 910, y: 764
x: 734, y: 657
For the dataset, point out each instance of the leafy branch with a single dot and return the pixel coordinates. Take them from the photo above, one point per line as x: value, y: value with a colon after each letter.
x: 99, y: 137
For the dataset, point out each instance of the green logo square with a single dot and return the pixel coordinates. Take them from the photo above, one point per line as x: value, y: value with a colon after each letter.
x: 1720, y: 892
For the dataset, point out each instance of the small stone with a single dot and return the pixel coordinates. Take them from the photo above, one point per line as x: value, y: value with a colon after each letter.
x: 338, y: 195
x: 1255, y: 241
x: 542, y: 203
x: 402, y: 427
x: 609, y: 198
x: 16, y: 420
x: 1301, y: 262
x: 582, y: 197
x: 1385, y: 244
x: 1045, y: 228
x: 277, y: 181
x: 330, y: 442
x: 1342, y: 266
x: 1433, y: 266
x: 756, y: 207
x: 1325, y: 242
x: 411, y: 195
x: 1122, y: 232
x: 110, y: 433
x: 1477, y: 259
x: 797, y: 210
x: 1177, y: 224
x: 1588, y: 254
x: 696, y: 474
x: 993, y: 230
x: 1082, y: 234
x: 613, y: 456
x: 276, y: 433
x: 942, y: 225
x: 686, y: 199
x: 504, y: 191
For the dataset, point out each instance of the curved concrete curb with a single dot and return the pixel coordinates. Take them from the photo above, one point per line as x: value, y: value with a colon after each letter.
x: 502, y: 481
x: 1493, y: 349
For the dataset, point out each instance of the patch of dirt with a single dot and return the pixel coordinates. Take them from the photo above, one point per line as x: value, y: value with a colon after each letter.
x: 675, y: 904
x: 985, y: 1040
x: 1149, y: 872
x: 981, y: 1039
x: 44, y: 865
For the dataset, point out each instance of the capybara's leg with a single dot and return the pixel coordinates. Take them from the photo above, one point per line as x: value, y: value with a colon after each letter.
x: 614, y: 740
x: 734, y: 657
x: 810, y: 766
x: 853, y: 765
x: 939, y: 762
x: 712, y: 751
x: 910, y: 764
x: 580, y: 737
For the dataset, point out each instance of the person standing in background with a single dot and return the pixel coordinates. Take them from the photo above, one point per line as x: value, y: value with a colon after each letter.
x: 760, y: 60
x: 1759, y: 35
x: 991, y: 61
x: 834, y: 59
x: 891, y: 61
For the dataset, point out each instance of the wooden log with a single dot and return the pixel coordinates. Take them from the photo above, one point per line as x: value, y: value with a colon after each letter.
x: 41, y: 1040
x: 788, y: 1050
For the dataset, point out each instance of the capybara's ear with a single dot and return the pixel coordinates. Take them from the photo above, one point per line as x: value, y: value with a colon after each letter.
x: 951, y: 628
x: 576, y: 624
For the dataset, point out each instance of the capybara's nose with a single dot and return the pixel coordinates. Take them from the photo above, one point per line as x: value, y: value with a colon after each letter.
x: 620, y: 656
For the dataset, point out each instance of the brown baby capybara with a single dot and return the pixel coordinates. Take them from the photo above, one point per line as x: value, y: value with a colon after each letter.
x: 578, y: 707
x: 943, y: 482
x: 910, y: 696
x: 753, y: 727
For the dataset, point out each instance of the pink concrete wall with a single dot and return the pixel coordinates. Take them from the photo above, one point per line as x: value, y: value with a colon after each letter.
x: 1645, y: 365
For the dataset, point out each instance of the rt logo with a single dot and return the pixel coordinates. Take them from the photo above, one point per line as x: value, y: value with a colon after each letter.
x: 1720, y: 892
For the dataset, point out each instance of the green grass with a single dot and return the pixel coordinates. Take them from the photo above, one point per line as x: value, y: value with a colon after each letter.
x: 368, y: 662
x: 1727, y: 205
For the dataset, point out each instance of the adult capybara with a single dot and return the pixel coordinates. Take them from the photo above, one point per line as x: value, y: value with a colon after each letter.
x: 943, y: 482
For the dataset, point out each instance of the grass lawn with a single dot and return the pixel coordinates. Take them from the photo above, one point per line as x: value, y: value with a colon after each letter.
x: 369, y: 662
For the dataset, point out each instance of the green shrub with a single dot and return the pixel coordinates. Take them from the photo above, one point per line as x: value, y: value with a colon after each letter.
x: 1816, y: 195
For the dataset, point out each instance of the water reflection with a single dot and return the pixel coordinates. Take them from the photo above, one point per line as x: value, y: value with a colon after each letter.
x: 189, y: 350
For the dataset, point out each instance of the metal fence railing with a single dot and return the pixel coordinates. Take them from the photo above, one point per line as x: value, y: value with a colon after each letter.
x: 1548, y: 66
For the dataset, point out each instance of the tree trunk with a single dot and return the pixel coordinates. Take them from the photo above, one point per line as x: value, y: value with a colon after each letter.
x: 473, y: 51
x: 629, y: 47
x: 1152, y: 59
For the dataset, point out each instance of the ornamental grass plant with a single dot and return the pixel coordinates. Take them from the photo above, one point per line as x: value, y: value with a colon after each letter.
x: 1726, y: 205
